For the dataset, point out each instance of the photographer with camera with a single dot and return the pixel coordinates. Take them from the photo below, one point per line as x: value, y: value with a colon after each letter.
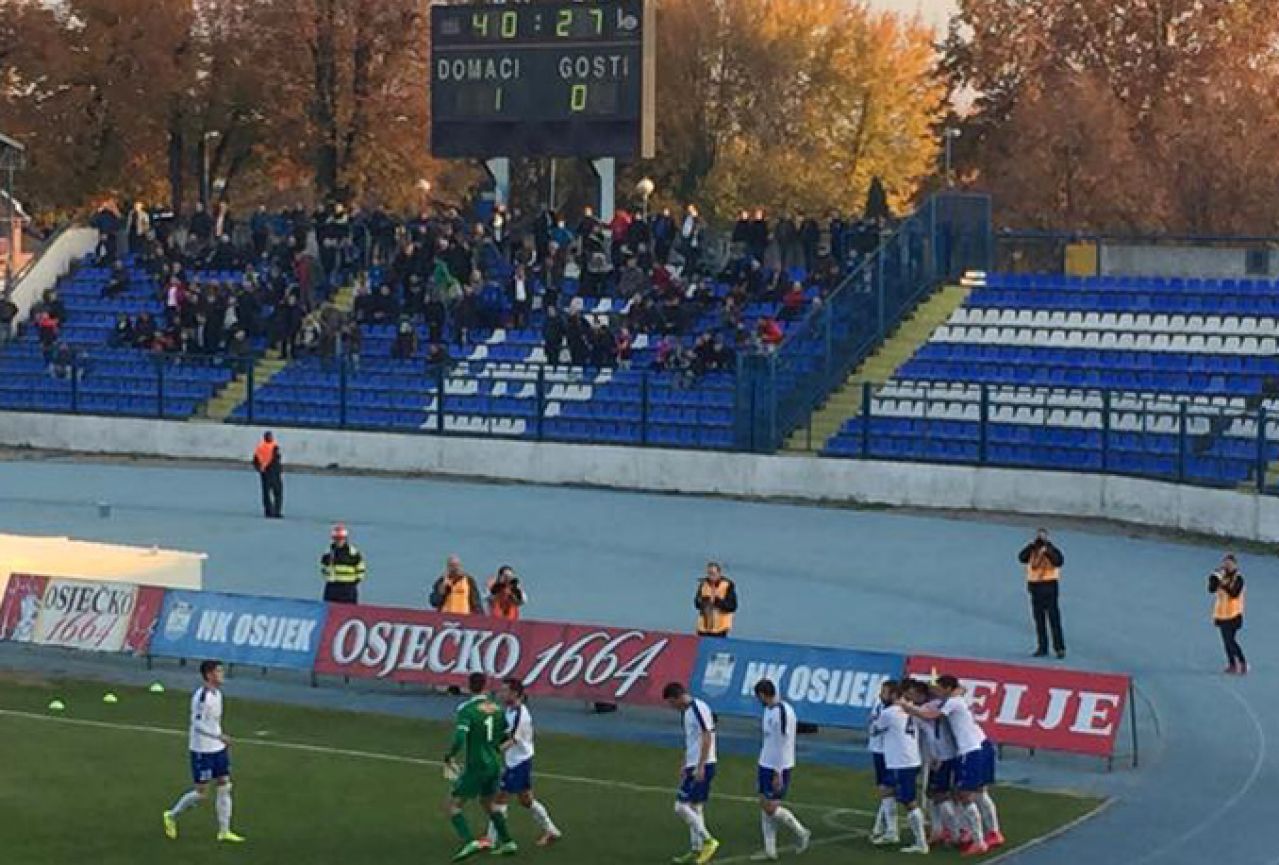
x: 1043, y: 563
x: 1226, y: 585
x: 506, y: 595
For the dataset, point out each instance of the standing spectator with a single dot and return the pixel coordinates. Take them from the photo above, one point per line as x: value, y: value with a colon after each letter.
x: 1043, y: 561
x: 139, y: 227
x: 286, y: 324
x: 553, y: 335
x: 1227, y: 611
x: 521, y: 298
x: 577, y: 334
x: 769, y: 332
x: 201, y: 225
x: 715, y: 602
x: 8, y: 313
x: 692, y: 237
x: 260, y: 230
x: 270, y: 465
x: 810, y: 241
x: 122, y: 333
x: 107, y: 222
x: 506, y: 595
x: 758, y: 234
x: 456, y: 592
x: 343, y: 569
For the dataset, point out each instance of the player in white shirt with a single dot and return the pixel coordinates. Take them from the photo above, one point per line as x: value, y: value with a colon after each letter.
x: 902, y: 761
x: 696, y: 772
x: 974, y: 767
x: 776, y: 759
x: 517, y: 755
x: 885, y: 829
x: 210, y: 760
x: 937, y: 744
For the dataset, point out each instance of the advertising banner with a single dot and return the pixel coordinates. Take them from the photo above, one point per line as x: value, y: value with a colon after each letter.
x: 561, y: 660
x: 830, y: 687
x: 78, y: 614
x: 239, y: 629
x: 1038, y: 707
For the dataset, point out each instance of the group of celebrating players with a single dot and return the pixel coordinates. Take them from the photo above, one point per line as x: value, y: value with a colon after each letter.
x: 915, y: 728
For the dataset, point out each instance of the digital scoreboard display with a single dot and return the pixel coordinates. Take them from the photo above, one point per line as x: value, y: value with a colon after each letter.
x: 543, y: 79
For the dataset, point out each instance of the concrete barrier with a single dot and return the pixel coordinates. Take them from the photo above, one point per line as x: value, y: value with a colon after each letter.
x: 1226, y: 513
x: 55, y: 261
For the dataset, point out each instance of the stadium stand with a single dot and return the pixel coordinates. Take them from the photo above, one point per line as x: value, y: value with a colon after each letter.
x: 1151, y: 376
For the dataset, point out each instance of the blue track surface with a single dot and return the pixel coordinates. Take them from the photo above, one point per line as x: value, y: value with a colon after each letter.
x: 1208, y: 778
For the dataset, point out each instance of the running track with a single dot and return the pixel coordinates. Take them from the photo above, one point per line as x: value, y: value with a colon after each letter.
x: 1210, y: 772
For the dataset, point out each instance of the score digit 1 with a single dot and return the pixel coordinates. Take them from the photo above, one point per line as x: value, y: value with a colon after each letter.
x: 577, y: 98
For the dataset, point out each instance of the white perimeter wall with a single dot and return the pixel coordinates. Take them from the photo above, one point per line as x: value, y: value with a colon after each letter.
x: 1219, y: 512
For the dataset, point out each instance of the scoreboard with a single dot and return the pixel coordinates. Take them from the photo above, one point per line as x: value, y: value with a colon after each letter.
x: 554, y: 78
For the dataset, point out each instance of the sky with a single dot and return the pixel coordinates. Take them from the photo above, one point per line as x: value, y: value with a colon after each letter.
x: 935, y: 12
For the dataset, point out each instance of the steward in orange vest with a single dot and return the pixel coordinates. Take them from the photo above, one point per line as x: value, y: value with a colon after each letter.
x: 270, y: 466
x: 1226, y: 583
x: 1043, y: 563
x: 456, y: 593
x: 715, y: 602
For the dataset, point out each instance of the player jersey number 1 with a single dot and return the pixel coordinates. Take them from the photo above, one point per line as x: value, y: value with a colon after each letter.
x: 488, y: 725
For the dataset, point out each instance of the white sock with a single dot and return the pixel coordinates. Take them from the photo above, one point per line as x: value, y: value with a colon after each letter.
x: 888, y: 811
x: 915, y: 818
x: 949, y: 817
x: 974, y: 822
x: 696, y: 825
x: 790, y: 821
x: 543, y: 818
x: 491, y: 833
x: 989, y: 814
x: 768, y: 825
x: 223, y: 804
x: 878, y: 828
x: 186, y: 801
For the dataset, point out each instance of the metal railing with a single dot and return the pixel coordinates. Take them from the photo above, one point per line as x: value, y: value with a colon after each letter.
x: 1219, y: 442
x: 948, y: 235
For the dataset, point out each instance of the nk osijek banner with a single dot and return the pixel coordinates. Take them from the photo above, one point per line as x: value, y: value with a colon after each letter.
x: 831, y: 687
x: 554, y: 659
x: 239, y: 629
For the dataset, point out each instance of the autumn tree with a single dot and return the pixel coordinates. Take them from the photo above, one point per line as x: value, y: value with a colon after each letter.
x: 1175, y: 88
x: 792, y: 104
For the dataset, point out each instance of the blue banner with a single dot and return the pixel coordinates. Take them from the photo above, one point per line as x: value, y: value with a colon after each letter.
x: 238, y: 629
x: 830, y: 687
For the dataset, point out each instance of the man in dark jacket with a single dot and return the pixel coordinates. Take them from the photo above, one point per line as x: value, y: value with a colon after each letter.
x: 1043, y: 563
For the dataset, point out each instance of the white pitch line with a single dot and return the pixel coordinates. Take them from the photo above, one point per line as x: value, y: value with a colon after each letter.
x: 830, y: 818
x: 394, y: 758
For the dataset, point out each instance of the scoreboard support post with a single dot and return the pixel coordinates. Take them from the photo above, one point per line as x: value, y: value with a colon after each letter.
x: 500, y: 170
x: 606, y: 171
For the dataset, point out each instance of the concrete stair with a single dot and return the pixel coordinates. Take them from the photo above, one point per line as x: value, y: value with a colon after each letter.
x: 901, y: 345
x: 224, y: 402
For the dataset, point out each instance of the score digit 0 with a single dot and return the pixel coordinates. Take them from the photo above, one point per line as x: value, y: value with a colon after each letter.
x: 577, y: 98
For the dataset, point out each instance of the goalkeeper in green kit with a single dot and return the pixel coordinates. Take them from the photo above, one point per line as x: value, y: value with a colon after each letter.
x: 478, y: 737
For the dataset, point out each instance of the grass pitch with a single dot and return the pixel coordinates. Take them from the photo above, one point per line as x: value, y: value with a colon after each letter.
x: 319, y: 787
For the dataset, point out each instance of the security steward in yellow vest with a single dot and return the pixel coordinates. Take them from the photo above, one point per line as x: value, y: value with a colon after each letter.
x: 456, y: 593
x: 343, y: 569
x: 1226, y: 583
x: 1043, y: 563
x: 715, y: 602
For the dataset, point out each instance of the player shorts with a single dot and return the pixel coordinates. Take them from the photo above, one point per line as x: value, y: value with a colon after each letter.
x: 881, y: 771
x: 696, y: 792
x: 519, y: 778
x: 209, y: 766
x: 976, y: 769
x: 905, y: 784
x: 941, y: 778
x: 477, y: 785
x: 765, y: 784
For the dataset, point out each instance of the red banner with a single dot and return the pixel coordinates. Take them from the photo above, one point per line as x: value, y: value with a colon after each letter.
x: 1038, y: 707
x: 561, y: 660
x: 79, y: 614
